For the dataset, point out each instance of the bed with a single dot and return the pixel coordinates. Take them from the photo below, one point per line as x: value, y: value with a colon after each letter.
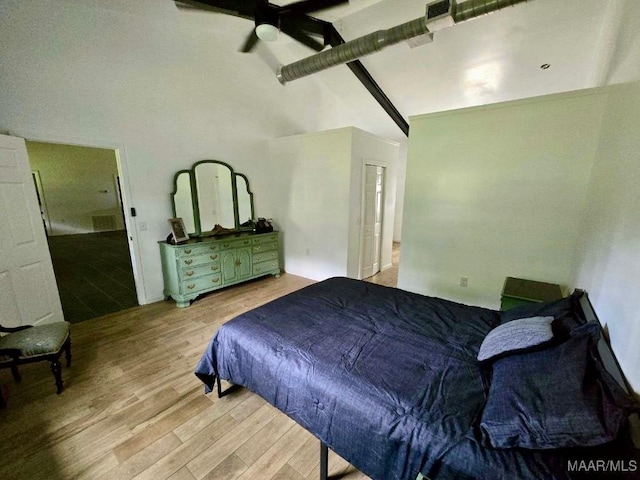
x: 390, y: 381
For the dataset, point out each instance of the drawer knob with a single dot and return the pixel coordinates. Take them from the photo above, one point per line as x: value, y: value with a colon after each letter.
x: 213, y: 247
x: 246, y: 242
x: 226, y: 245
x: 189, y: 273
x: 188, y: 262
x: 192, y: 286
x: 215, y: 280
x: 258, y: 247
x: 187, y: 251
x: 214, y: 268
x: 213, y: 257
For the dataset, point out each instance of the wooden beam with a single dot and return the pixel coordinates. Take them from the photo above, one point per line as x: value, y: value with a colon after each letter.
x: 370, y: 84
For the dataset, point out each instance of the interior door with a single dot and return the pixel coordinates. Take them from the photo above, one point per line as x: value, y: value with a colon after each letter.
x: 372, y: 220
x: 28, y: 290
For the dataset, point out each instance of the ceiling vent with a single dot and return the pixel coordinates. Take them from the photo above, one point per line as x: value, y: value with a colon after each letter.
x: 440, y: 15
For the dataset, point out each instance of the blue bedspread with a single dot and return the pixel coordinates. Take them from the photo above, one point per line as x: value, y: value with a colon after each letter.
x: 387, y: 379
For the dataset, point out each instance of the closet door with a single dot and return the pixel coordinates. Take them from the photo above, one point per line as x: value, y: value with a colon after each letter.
x: 28, y: 290
x: 372, y: 220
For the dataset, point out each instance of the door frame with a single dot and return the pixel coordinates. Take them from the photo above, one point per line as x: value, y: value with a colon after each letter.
x: 363, y: 184
x: 127, y: 201
x: 41, y: 199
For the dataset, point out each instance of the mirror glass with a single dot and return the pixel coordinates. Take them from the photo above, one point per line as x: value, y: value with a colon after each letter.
x: 244, y: 201
x: 183, y: 203
x: 215, y: 196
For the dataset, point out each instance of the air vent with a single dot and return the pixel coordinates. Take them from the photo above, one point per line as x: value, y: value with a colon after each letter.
x: 440, y: 15
x: 103, y: 223
x: 436, y: 9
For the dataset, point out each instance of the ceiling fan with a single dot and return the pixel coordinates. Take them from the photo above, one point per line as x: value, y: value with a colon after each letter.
x: 292, y: 19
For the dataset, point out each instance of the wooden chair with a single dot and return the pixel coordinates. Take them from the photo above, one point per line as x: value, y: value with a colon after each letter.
x: 28, y: 344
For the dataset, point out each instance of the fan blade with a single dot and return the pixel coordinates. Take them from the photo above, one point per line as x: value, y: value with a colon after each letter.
x: 250, y: 42
x: 239, y: 8
x: 288, y: 26
x: 308, y: 6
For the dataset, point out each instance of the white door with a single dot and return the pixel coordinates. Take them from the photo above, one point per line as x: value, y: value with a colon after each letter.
x: 372, y: 220
x: 28, y: 290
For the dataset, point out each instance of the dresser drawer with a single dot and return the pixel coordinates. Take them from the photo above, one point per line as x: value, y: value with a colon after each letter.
x: 193, y: 251
x: 264, y: 247
x: 235, y: 244
x: 265, y: 256
x: 264, y: 267
x: 202, y: 283
x: 200, y: 270
x: 198, y: 260
x: 265, y: 239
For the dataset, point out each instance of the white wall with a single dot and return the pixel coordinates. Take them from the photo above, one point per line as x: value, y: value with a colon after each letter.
x: 165, y: 88
x: 401, y: 173
x: 78, y: 183
x: 316, y: 199
x: 497, y: 191
x: 608, y: 266
x: 548, y: 190
x: 309, y: 201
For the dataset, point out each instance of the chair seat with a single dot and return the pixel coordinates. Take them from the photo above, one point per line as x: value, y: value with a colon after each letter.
x: 39, y: 340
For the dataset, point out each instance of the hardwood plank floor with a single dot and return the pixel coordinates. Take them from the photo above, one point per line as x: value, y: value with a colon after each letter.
x: 132, y: 408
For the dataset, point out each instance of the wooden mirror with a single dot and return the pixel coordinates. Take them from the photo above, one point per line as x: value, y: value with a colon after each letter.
x: 211, y: 194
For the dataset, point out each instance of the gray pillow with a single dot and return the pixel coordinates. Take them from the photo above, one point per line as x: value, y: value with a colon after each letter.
x: 516, y: 335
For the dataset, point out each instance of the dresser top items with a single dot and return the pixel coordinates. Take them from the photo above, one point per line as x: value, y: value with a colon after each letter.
x: 195, y: 241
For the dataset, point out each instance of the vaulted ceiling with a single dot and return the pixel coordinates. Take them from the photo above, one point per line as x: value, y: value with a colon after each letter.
x: 493, y: 58
x: 489, y: 59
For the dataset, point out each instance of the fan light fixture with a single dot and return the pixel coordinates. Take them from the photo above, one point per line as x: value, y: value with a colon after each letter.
x: 267, y: 32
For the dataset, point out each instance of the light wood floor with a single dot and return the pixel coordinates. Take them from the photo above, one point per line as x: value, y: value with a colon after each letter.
x: 132, y: 407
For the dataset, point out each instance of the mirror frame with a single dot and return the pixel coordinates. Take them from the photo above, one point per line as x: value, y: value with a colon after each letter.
x: 253, y: 216
x: 194, y: 197
x: 196, y: 218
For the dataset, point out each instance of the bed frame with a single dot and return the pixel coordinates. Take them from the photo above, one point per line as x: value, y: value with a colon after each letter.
x: 604, y: 349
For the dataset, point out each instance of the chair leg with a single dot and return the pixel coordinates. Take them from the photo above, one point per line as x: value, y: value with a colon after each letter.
x: 15, y: 372
x: 56, y: 369
x: 67, y: 351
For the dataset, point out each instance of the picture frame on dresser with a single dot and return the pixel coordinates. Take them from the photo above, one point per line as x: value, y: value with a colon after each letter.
x: 178, y: 230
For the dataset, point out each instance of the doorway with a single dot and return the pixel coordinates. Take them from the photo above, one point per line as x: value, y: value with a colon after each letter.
x: 79, y: 194
x: 372, y: 218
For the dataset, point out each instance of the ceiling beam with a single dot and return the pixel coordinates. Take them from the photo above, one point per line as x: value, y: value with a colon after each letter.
x: 370, y: 84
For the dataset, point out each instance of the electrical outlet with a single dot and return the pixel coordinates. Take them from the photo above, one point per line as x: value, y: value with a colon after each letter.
x: 464, y: 281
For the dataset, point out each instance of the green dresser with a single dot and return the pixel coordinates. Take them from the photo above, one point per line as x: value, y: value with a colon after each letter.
x: 205, y: 264
x: 519, y: 291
